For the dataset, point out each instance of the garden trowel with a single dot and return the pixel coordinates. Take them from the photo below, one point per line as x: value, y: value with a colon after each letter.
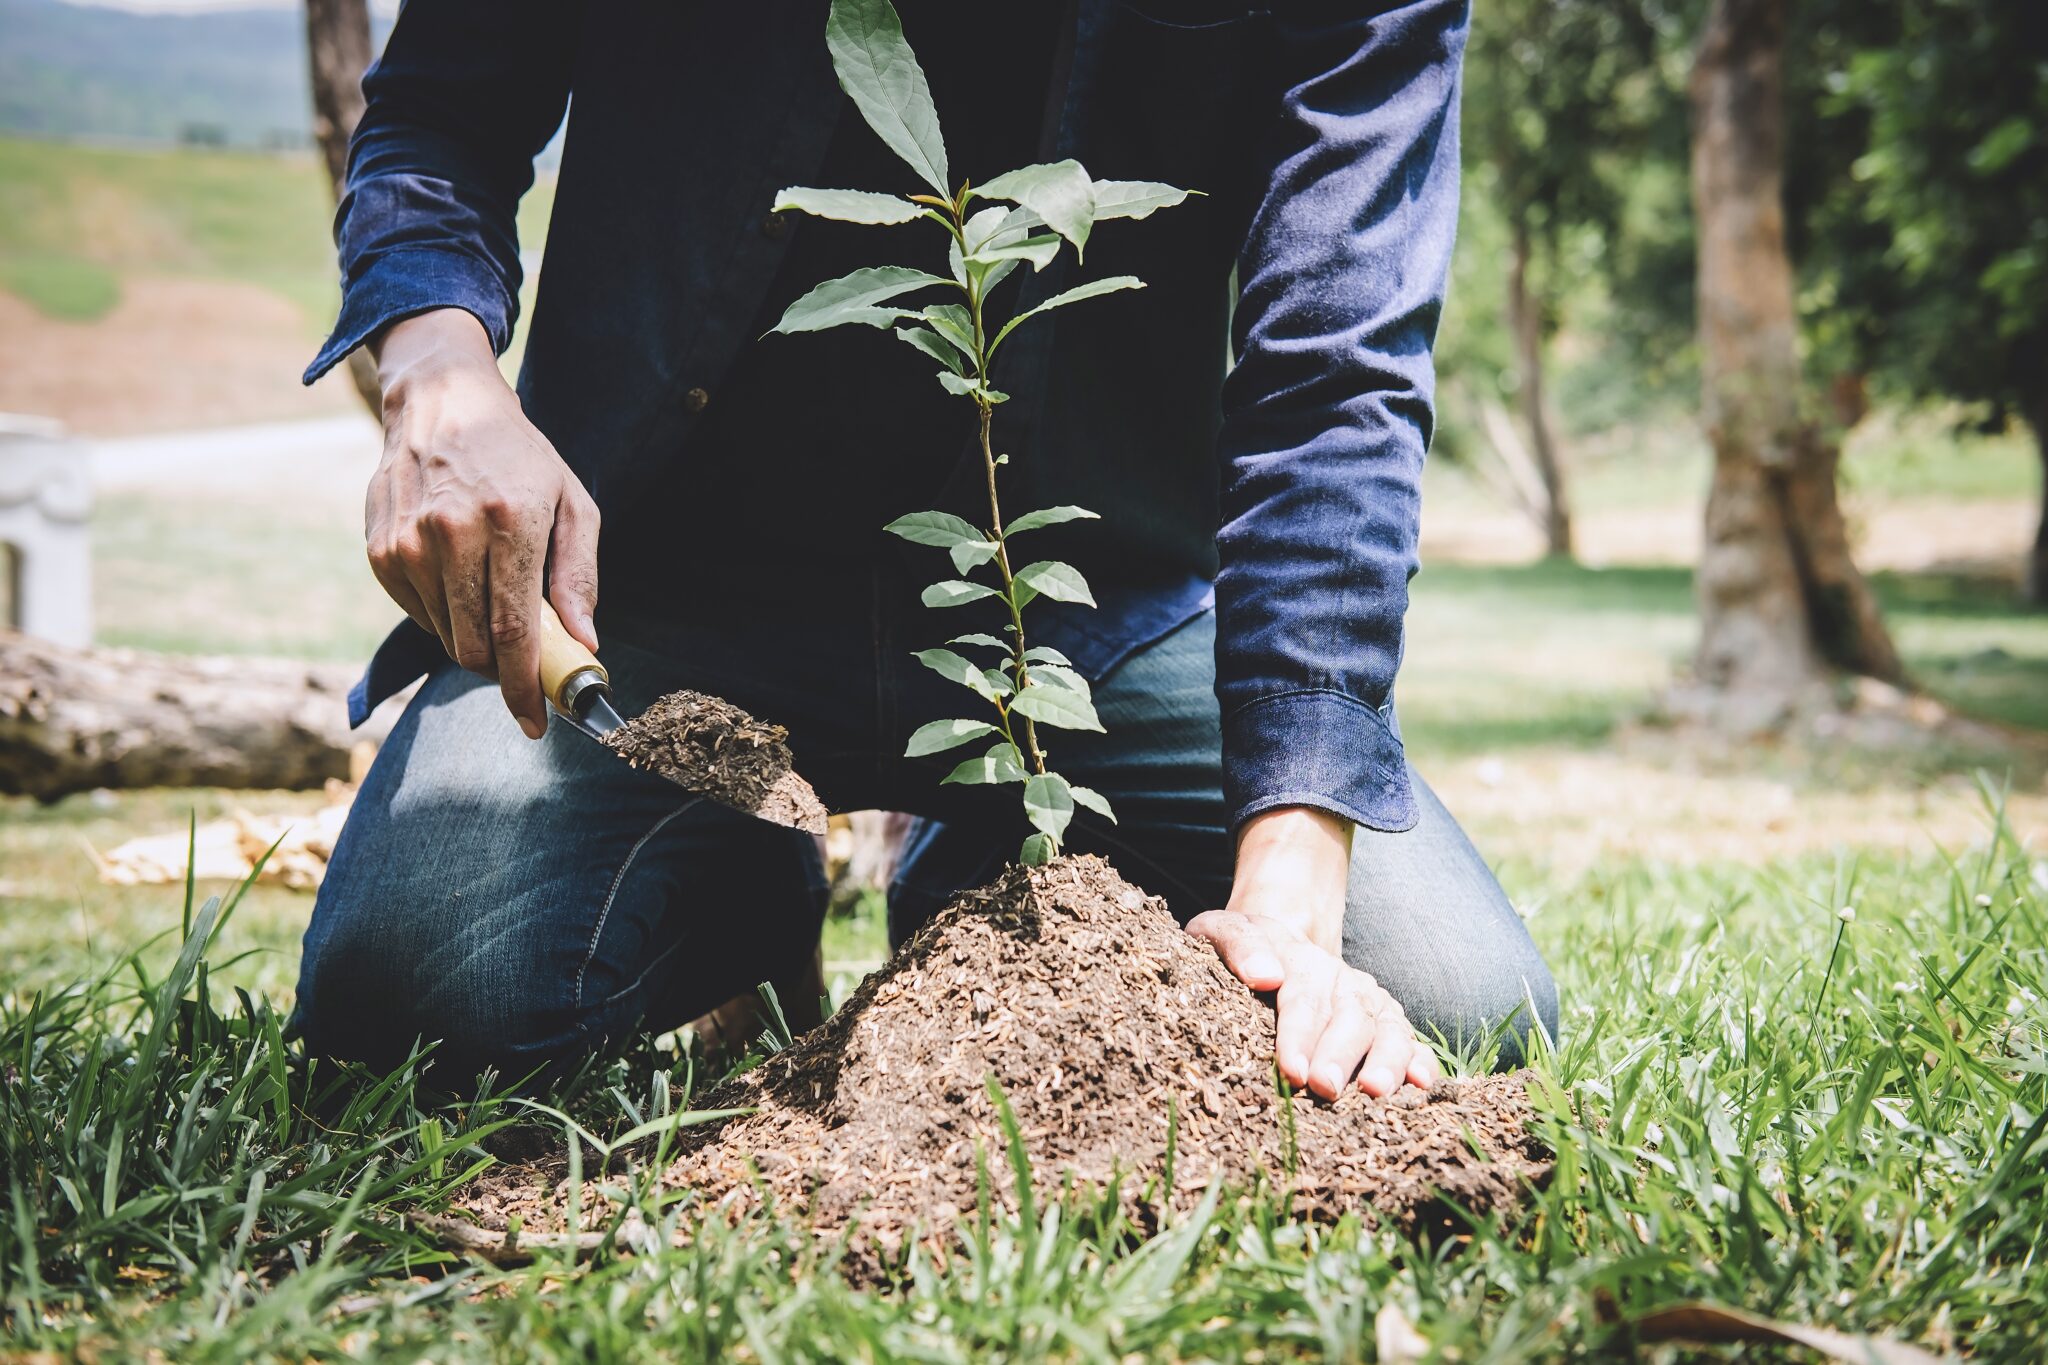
x: 703, y: 744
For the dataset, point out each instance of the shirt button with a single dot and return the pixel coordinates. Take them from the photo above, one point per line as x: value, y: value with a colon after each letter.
x: 775, y: 227
x: 696, y: 400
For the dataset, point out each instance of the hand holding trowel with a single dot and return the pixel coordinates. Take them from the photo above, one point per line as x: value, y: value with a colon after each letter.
x: 702, y: 743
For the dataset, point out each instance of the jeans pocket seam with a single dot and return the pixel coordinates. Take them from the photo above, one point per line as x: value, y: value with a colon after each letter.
x: 611, y: 895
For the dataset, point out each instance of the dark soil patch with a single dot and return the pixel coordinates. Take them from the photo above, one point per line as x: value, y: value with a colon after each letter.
x: 1102, y: 1022
x: 705, y: 744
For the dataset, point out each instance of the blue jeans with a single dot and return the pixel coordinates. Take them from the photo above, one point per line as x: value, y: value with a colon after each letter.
x: 529, y: 902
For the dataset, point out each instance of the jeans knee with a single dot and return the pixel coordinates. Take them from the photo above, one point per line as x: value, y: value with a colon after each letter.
x: 1493, y: 1015
x: 375, y: 992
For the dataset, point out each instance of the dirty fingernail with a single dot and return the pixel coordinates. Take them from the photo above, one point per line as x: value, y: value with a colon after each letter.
x: 1328, y: 1082
x: 1378, y: 1080
x: 533, y: 728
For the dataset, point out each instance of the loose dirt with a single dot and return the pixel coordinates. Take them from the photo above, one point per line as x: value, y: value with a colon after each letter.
x: 1114, y: 1037
x: 706, y: 744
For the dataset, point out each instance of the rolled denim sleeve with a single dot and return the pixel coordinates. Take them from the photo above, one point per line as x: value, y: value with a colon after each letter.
x: 465, y: 95
x: 1329, y: 408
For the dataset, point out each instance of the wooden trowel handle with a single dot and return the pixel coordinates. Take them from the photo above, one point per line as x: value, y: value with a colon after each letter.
x: 566, y: 667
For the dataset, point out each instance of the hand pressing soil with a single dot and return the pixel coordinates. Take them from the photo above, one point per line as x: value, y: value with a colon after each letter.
x: 705, y: 744
x: 1103, y: 1022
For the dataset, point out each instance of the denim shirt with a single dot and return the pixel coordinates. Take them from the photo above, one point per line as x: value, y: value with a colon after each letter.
x: 1283, y: 487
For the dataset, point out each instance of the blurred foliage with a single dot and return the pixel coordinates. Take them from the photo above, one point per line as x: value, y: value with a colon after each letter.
x: 1916, y: 201
x: 1926, y: 233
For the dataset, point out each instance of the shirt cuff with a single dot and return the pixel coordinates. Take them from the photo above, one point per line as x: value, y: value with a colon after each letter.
x: 1316, y: 748
x: 405, y: 282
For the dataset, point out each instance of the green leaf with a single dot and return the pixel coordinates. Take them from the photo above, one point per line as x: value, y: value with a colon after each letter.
x: 1049, y: 803
x: 1046, y: 654
x: 1049, y: 516
x: 1059, y: 192
x: 941, y: 735
x: 954, y: 592
x: 1037, y: 250
x: 1115, y: 199
x: 852, y: 298
x: 942, y: 529
x: 1037, y: 852
x: 848, y: 206
x: 877, y: 69
x: 1060, y: 582
x: 953, y: 668
x: 954, y: 323
x: 995, y: 275
x: 1058, y: 675
x: 1001, y: 763
x: 1092, y: 289
x: 966, y: 388
x: 998, y: 681
x: 984, y: 226
x: 1134, y: 198
x: 1095, y: 801
x: 1056, y: 706
x: 989, y: 640
x: 970, y: 553
x: 933, y: 345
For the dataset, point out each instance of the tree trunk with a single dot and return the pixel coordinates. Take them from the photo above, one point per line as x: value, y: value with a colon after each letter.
x: 1780, y: 598
x: 72, y: 720
x: 1526, y: 323
x: 338, y: 53
x: 2037, y: 561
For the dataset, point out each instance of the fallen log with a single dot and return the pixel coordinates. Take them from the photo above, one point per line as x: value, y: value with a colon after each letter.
x: 72, y: 720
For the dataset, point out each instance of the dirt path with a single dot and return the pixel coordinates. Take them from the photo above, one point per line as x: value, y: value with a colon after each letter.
x: 315, y: 462
x: 1985, y: 536
x: 173, y: 354
x: 1568, y: 811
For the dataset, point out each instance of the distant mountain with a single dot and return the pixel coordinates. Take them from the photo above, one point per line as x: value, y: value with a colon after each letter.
x: 235, y: 76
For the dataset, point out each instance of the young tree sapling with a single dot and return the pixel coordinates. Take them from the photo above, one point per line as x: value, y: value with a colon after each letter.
x: 1026, y: 215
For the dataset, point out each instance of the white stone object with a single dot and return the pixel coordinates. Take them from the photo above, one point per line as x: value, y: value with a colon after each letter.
x: 45, y: 525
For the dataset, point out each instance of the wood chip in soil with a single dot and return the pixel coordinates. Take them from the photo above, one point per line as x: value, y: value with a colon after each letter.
x: 707, y: 745
x: 1102, y: 1021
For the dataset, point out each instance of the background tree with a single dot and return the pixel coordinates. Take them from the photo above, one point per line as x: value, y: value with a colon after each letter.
x: 1781, y: 602
x: 338, y: 52
x: 1926, y: 212
x: 1552, y: 93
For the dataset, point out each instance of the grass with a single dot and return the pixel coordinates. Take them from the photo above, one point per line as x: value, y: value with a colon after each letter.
x: 1549, y: 653
x: 1754, y: 1103
x: 75, y: 220
x: 232, y: 574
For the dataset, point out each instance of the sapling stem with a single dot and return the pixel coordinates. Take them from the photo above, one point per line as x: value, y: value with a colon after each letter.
x: 1020, y: 667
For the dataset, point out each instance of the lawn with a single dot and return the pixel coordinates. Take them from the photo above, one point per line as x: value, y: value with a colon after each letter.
x: 1755, y: 1101
x: 1814, y: 1090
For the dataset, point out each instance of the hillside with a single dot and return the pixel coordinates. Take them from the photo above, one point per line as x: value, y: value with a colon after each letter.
x: 236, y: 77
x: 142, y: 290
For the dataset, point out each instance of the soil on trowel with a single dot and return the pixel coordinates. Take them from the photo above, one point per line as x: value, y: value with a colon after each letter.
x: 705, y: 744
x: 1105, y: 1025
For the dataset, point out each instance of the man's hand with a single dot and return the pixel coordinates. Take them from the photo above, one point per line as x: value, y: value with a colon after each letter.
x: 472, y: 508
x: 1283, y: 932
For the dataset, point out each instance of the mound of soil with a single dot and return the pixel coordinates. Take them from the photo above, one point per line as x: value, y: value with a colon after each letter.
x: 706, y: 744
x: 1106, y: 1027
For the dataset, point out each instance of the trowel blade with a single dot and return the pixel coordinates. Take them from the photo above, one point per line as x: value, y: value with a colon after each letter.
x: 791, y: 802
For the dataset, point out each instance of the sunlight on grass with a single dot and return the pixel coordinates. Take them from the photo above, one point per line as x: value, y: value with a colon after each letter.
x: 1813, y: 1089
